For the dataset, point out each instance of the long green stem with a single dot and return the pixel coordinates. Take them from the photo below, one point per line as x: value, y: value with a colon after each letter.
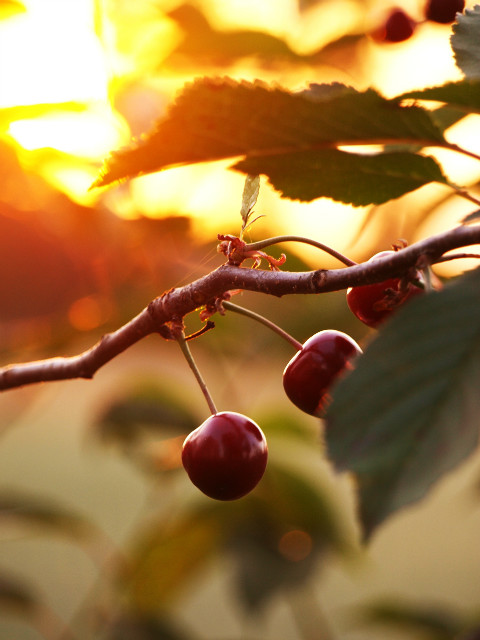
x: 268, y: 323
x: 193, y: 366
x: 261, y: 244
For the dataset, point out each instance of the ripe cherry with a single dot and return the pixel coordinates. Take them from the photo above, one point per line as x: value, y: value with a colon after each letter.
x: 398, y: 27
x: 443, y: 11
x: 374, y: 303
x: 309, y: 375
x: 226, y: 456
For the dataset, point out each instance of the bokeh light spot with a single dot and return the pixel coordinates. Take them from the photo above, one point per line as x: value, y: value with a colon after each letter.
x: 295, y: 545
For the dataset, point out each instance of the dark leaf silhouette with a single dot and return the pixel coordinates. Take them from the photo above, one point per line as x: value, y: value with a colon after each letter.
x: 409, y: 412
x: 220, y: 118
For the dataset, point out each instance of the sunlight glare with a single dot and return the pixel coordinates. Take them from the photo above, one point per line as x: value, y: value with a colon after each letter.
x: 91, y: 134
x: 53, y: 55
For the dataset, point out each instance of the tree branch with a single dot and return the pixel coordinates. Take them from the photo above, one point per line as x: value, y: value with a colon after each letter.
x: 178, y: 302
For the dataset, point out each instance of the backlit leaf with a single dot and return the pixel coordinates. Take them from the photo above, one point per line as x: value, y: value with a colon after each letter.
x: 465, y: 42
x: 464, y: 94
x: 220, y: 118
x: 353, y: 178
x: 250, y: 195
x: 409, y: 411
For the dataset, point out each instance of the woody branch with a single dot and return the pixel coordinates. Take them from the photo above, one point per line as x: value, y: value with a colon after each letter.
x: 173, y: 305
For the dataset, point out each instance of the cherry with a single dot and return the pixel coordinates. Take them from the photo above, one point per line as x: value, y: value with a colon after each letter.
x: 226, y: 456
x: 398, y: 27
x: 374, y: 303
x: 443, y: 11
x: 309, y: 375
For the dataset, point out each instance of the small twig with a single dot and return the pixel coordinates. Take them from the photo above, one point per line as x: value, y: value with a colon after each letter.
x: 268, y: 323
x: 262, y: 244
x: 467, y: 196
x: 209, y: 325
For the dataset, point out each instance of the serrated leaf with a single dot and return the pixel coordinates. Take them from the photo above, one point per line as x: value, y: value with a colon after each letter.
x: 465, y: 41
x: 464, y: 94
x: 357, y: 179
x: 409, y: 411
x: 221, y: 118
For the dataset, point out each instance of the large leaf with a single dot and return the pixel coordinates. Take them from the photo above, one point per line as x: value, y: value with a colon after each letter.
x: 465, y: 42
x: 464, y: 95
x: 220, y: 118
x: 353, y: 178
x: 409, y: 412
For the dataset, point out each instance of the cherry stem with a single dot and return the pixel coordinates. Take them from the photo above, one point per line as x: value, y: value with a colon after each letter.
x: 261, y: 244
x: 268, y: 323
x: 196, y: 372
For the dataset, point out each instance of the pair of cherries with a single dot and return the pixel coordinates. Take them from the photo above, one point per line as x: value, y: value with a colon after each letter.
x: 399, y: 26
x: 226, y: 456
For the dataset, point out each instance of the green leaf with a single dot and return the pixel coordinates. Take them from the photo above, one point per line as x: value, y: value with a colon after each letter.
x: 409, y: 411
x: 465, y: 41
x: 464, y: 95
x: 145, y: 408
x: 31, y: 511
x: 220, y: 118
x: 128, y: 627
x: 287, y: 525
x: 15, y: 595
x: 167, y: 558
x: 433, y: 622
x: 357, y: 179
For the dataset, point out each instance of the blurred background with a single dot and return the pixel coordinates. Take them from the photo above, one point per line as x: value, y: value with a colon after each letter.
x: 102, y: 534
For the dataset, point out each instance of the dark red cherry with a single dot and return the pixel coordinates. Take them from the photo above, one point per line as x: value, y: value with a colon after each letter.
x: 398, y: 27
x: 374, y: 303
x: 443, y: 11
x: 309, y: 375
x: 226, y: 456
